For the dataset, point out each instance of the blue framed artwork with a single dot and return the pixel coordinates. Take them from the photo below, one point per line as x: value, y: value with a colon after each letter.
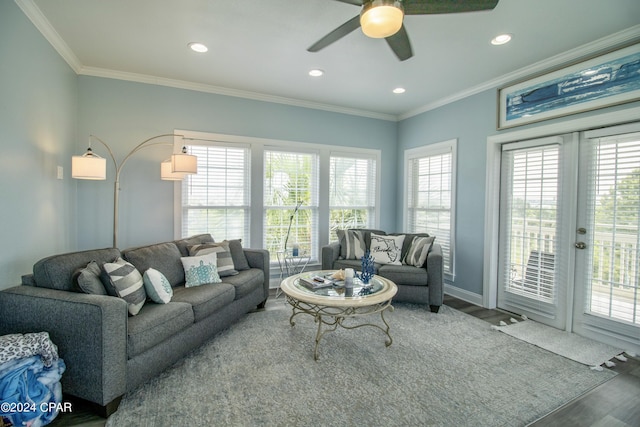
x: 602, y: 81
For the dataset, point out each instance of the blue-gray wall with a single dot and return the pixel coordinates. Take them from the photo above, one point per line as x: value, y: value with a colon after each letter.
x: 38, y: 112
x: 124, y: 113
x: 469, y: 121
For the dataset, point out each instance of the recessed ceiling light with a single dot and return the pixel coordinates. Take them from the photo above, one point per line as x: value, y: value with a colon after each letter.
x: 316, y: 72
x: 198, y: 47
x: 501, y: 39
x: 399, y: 90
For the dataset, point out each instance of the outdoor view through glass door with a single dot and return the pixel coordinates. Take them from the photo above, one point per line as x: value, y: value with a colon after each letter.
x: 532, y: 268
x: 553, y: 245
x: 607, y: 273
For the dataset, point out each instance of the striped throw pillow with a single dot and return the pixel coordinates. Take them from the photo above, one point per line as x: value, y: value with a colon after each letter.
x: 224, y: 260
x: 417, y: 253
x: 352, y: 244
x: 127, y: 281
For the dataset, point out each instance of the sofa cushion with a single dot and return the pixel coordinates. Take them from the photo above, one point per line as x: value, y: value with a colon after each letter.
x: 183, y: 244
x: 128, y: 284
x: 223, y: 254
x: 246, y: 282
x: 157, y: 286
x: 200, y: 270
x: 240, y: 261
x: 206, y: 299
x: 387, y: 249
x: 416, y: 254
x: 57, y: 271
x: 89, y: 281
x: 155, y: 323
x: 164, y: 257
x: 404, y: 274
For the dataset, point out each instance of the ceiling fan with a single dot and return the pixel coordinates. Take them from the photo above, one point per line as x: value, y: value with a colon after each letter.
x: 383, y: 19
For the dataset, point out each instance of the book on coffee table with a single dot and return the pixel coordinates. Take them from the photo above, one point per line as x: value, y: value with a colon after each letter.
x: 316, y: 282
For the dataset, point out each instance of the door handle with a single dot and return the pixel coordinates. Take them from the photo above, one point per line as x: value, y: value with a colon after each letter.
x: 580, y: 245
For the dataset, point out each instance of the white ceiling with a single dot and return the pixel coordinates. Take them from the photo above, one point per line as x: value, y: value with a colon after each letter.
x: 257, y: 48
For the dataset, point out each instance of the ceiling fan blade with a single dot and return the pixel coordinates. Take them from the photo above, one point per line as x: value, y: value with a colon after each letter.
x: 427, y: 7
x: 399, y: 43
x: 353, y: 2
x: 336, y: 34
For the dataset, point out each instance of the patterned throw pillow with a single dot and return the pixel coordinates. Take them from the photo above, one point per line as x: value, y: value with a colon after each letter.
x: 224, y: 262
x: 352, y: 244
x: 128, y: 284
x: 157, y: 286
x: 418, y: 251
x: 89, y: 279
x: 200, y: 270
x: 386, y: 249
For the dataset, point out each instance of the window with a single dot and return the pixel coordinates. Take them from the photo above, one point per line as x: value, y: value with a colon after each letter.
x: 290, y: 201
x: 216, y: 200
x: 263, y: 190
x: 430, y: 195
x: 352, y: 192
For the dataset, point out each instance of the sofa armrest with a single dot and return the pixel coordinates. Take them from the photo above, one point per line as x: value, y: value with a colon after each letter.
x: 259, y: 258
x: 90, y: 332
x: 435, y: 269
x: 330, y: 253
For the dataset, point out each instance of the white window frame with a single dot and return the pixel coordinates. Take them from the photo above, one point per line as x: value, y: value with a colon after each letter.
x: 436, y: 149
x: 373, y: 205
x: 257, y: 148
x: 245, y: 206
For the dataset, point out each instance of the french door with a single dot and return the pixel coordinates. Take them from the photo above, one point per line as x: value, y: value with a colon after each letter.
x: 569, y: 219
x: 607, y: 261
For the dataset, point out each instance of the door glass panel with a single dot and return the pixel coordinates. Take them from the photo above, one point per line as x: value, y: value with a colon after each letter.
x: 614, y: 207
x: 531, y: 221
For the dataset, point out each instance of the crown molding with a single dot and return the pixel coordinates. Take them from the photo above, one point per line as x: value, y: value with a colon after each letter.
x: 43, y: 25
x: 31, y: 10
x: 256, y: 96
x: 620, y: 38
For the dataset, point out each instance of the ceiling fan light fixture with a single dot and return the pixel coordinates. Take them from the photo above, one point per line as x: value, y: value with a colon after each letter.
x: 381, y: 18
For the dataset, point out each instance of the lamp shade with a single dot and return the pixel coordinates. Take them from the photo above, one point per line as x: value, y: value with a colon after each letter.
x: 89, y: 166
x: 184, y: 163
x: 381, y: 18
x: 167, y: 175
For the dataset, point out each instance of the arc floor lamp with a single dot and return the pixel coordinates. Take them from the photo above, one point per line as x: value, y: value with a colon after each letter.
x: 93, y: 167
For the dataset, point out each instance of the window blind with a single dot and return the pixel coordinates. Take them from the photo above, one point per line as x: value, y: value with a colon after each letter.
x: 352, y: 192
x: 216, y: 200
x: 429, y: 199
x: 291, y: 201
x: 614, y: 205
x: 530, y: 215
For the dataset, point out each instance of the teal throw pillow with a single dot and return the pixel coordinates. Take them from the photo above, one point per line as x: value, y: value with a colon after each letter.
x: 157, y: 286
x: 200, y: 270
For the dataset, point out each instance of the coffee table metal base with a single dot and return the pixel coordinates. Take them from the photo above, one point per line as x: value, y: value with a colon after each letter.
x: 333, y: 317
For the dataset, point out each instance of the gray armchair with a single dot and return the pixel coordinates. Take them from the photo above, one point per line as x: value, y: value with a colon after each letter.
x: 422, y: 285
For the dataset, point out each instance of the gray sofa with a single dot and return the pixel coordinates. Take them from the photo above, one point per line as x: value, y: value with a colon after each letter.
x: 422, y: 285
x: 107, y: 351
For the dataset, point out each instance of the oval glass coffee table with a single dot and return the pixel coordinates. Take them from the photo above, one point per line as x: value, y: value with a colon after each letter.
x: 331, y: 305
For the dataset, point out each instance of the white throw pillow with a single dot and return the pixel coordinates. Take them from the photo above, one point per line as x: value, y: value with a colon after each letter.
x: 386, y: 249
x: 157, y: 286
x: 200, y: 270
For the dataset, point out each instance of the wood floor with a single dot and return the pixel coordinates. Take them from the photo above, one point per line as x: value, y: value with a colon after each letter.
x: 616, y: 403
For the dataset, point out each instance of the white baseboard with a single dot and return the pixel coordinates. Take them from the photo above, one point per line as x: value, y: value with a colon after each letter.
x: 463, y: 295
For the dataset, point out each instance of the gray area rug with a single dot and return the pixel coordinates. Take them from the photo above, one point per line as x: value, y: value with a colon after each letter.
x: 446, y: 369
x: 572, y: 346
